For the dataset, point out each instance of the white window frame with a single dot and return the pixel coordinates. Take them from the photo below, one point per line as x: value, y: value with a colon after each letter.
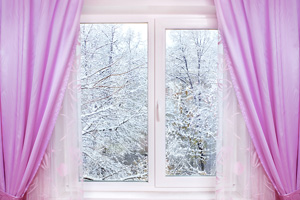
x: 192, y: 23
x: 176, y: 17
x: 125, y: 186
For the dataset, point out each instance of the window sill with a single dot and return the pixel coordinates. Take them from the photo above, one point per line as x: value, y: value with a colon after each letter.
x: 150, y: 195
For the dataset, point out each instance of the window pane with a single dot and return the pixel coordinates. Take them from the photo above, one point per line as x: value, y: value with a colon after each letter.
x: 191, y: 102
x: 114, y: 102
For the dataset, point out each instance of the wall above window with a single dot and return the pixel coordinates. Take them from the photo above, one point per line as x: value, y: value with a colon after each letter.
x: 149, y: 7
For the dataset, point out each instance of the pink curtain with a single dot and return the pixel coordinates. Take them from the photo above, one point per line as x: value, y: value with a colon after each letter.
x: 261, y: 41
x: 37, y: 45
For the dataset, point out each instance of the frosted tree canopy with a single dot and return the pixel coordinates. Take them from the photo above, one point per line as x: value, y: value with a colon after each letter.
x: 114, y: 102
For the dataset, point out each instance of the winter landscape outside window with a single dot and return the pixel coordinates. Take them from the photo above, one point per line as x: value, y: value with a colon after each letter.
x: 191, y: 102
x: 114, y: 102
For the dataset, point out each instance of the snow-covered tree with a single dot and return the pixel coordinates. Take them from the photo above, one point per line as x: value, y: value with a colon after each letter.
x: 191, y: 102
x: 114, y: 102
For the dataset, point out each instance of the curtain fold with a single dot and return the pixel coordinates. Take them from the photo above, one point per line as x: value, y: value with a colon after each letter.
x: 37, y: 46
x: 261, y: 42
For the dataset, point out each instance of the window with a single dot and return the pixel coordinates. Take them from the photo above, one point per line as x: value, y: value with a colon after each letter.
x: 187, y: 104
x: 191, y: 102
x: 114, y: 102
x: 149, y: 106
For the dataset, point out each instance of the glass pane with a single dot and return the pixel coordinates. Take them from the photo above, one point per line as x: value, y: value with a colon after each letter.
x: 114, y: 102
x: 191, y: 102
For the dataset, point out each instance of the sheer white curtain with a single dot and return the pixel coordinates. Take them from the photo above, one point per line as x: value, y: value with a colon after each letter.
x: 240, y: 175
x: 59, y: 176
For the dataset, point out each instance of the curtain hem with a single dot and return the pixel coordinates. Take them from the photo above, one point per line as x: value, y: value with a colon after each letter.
x: 291, y: 196
x: 5, y: 196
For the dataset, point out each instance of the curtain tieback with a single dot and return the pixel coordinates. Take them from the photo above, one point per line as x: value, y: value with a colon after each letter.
x: 291, y: 196
x: 5, y: 196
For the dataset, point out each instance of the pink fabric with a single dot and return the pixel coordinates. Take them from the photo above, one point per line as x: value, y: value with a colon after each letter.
x: 37, y: 44
x: 261, y: 40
